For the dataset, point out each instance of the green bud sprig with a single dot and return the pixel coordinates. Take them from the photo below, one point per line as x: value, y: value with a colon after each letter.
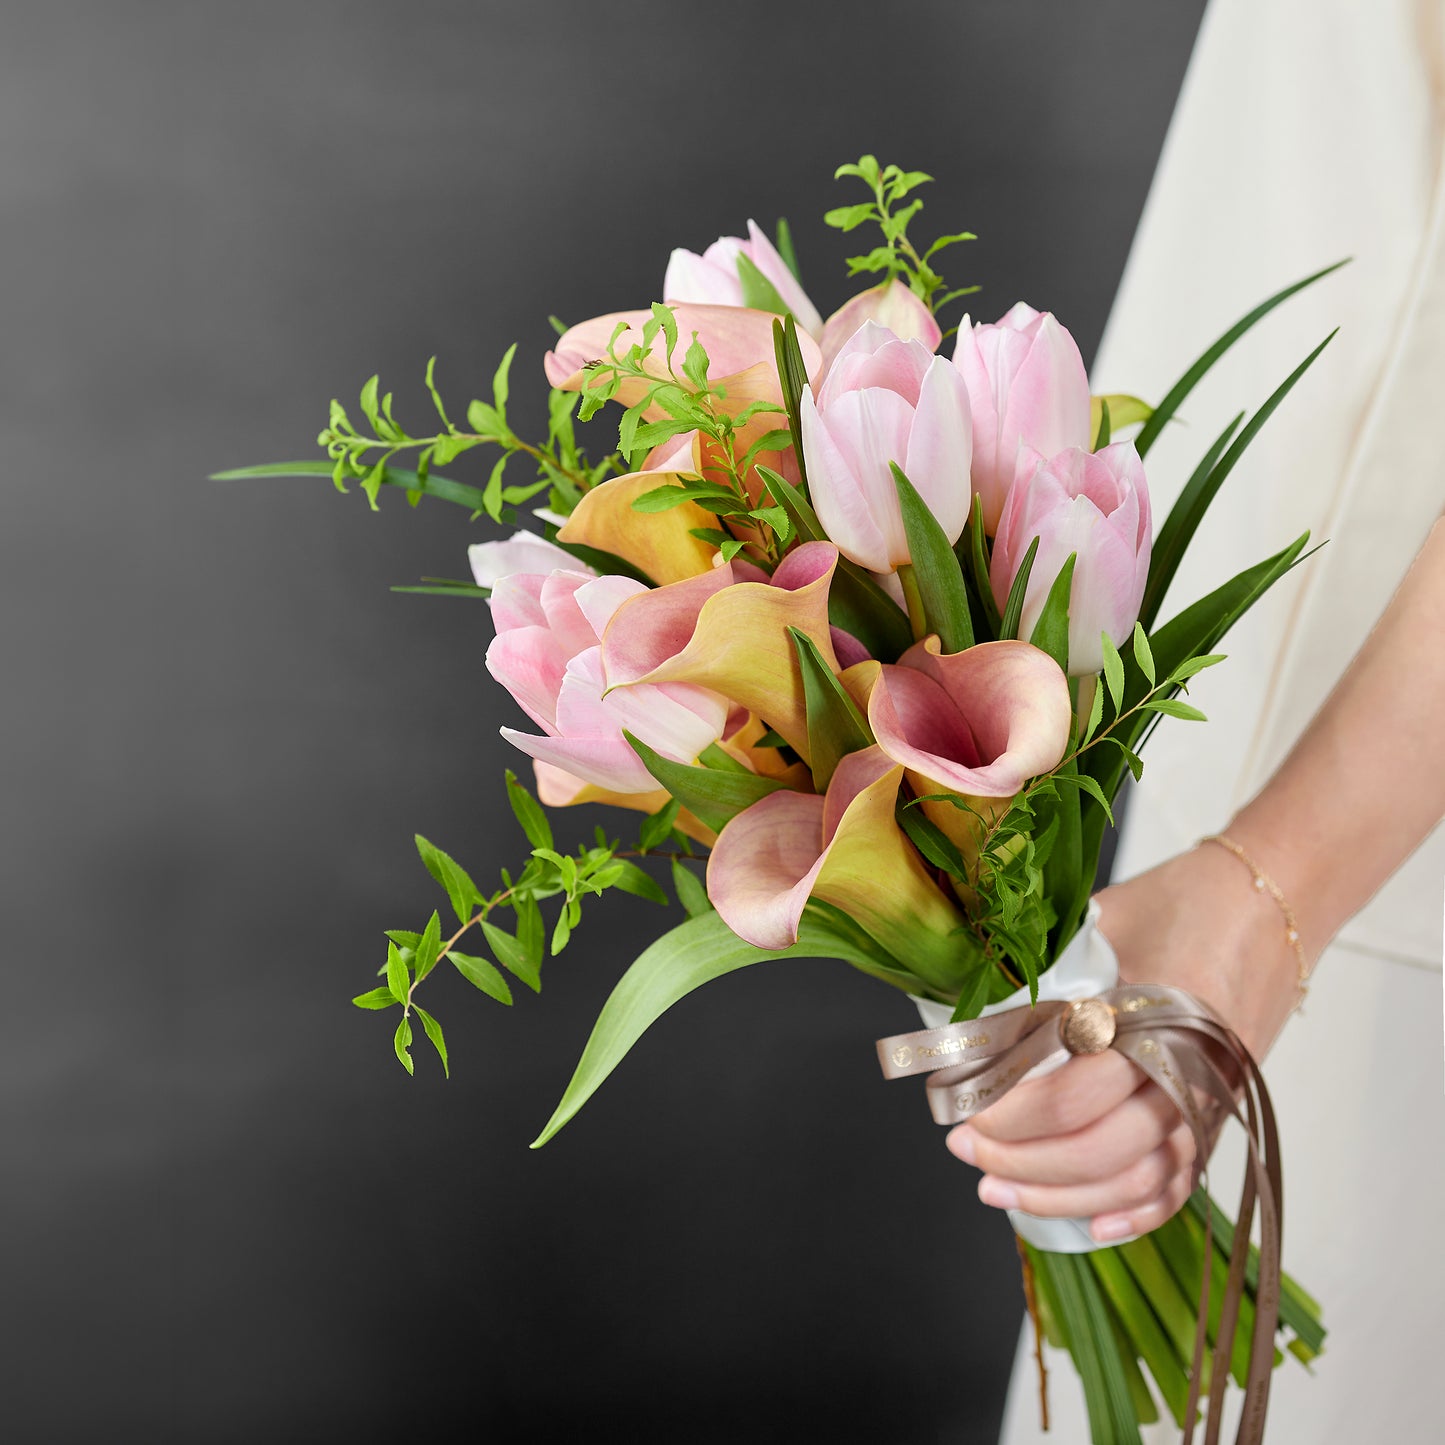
x: 897, y: 257
x: 521, y: 949
x: 561, y: 465
x: 691, y: 401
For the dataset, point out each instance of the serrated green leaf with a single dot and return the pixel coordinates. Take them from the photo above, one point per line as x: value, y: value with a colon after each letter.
x: 935, y: 568
x: 428, y: 947
x: 513, y: 955
x: 1096, y: 714
x: 455, y: 879
x: 1143, y: 655
x: 712, y: 796
x: 690, y: 890
x: 1113, y: 670
x: 1172, y: 707
x: 483, y: 973
x: 1013, y: 607
x: 529, y: 813
x: 377, y: 998
x: 1051, y: 631
x: 972, y: 1000
x: 634, y: 880
x: 401, y: 1042
x: 398, y: 980
x: 434, y: 1033
x: 369, y: 407
x: 849, y: 218
x: 1195, y: 665
x: 500, y: 383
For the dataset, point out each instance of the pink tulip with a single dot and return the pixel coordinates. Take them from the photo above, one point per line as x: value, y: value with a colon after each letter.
x: 891, y: 305
x: 547, y: 653
x: 1095, y: 504
x: 847, y: 850
x: 1027, y: 387
x: 713, y: 279
x: 978, y: 723
x: 522, y: 552
x: 886, y: 400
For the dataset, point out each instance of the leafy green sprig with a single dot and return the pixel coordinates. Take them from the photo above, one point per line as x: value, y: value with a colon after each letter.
x: 897, y: 258
x: 689, y: 401
x: 561, y: 465
x: 522, y: 949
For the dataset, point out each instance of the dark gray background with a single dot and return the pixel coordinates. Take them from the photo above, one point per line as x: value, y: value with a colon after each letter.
x: 227, y: 1214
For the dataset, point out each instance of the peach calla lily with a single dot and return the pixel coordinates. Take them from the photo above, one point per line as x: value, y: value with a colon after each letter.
x: 978, y: 723
x: 845, y: 849
x: 730, y: 637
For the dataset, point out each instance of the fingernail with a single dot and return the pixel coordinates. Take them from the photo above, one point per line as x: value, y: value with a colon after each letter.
x: 961, y: 1142
x: 1111, y: 1226
x: 997, y: 1193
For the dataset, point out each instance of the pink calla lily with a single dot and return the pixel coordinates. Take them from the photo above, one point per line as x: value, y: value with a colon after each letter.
x: 978, y: 723
x: 845, y: 849
x: 731, y: 637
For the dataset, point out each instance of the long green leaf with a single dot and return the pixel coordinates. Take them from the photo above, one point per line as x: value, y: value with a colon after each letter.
x: 710, y: 794
x: 1143, y: 1329
x: 793, y: 375
x: 940, y: 578
x: 1187, y: 513
x: 1013, y: 608
x: 432, y: 485
x: 692, y: 954
x: 835, y: 726
x: 1051, y: 631
x: 1191, y: 378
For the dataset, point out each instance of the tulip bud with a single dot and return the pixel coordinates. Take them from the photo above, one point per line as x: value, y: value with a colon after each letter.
x: 714, y: 278
x: 886, y: 400
x: 1095, y: 505
x: 1028, y: 388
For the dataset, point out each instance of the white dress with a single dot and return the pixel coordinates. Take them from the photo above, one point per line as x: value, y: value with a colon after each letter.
x: 1308, y: 130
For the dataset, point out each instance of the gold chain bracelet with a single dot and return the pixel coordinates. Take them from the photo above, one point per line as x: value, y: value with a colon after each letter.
x: 1263, y: 883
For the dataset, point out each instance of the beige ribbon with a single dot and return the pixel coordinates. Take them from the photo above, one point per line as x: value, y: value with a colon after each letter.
x: 1184, y: 1047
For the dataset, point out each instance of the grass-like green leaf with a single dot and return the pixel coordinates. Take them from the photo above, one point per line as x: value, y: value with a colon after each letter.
x: 835, y: 726
x: 445, y: 490
x: 935, y: 568
x: 1191, y: 378
x: 1013, y: 608
x: 978, y: 560
x: 1051, y: 631
x: 1188, y: 511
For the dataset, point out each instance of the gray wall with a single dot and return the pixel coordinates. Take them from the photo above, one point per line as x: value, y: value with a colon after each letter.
x: 227, y: 1214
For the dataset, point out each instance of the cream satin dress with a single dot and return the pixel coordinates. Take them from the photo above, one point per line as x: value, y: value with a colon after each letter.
x: 1309, y: 130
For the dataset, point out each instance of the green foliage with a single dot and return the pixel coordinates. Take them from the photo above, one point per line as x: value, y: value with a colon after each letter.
x: 712, y: 795
x: 1013, y: 608
x: 897, y: 258
x: 835, y: 726
x: 1051, y: 631
x: 935, y: 570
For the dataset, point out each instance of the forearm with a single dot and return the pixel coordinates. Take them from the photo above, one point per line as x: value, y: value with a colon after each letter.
x: 1366, y: 782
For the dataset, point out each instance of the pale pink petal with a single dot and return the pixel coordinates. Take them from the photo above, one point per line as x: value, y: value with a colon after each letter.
x: 844, y: 509
x: 763, y: 867
x: 805, y: 565
x: 892, y: 306
x: 521, y: 552
x: 564, y: 617
x: 557, y: 788
x: 1048, y: 400
x: 940, y: 448
x: 528, y: 662
x: 695, y: 278
x: 600, y: 599
x: 764, y: 255
x: 516, y: 601
x: 606, y: 762
x: 656, y: 624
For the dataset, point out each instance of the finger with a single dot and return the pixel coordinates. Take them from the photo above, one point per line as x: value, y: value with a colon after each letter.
x: 1071, y: 1098
x: 1103, y: 1149
x: 1125, y: 1192
x: 1148, y: 1216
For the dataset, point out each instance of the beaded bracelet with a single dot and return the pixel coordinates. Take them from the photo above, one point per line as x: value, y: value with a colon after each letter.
x: 1263, y: 883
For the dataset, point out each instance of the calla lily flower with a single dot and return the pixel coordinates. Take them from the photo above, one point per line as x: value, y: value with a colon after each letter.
x: 660, y: 544
x: 714, y: 277
x: 1028, y: 388
x: 892, y: 306
x: 845, y: 849
x: 730, y: 637
x: 547, y: 654
x: 886, y: 400
x: 978, y: 723
x: 1094, y: 505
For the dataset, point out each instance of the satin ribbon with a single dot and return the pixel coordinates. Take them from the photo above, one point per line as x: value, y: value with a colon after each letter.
x: 1183, y: 1046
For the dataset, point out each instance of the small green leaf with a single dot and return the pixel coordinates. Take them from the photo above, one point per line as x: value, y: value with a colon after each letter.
x: 1101, y: 432
x: 690, y: 890
x: 369, y: 405
x: 377, y: 998
x: 492, y: 492
x: 434, y: 1033
x: 1090, y: 786
x: 1113, y: 670
x: 398, y: 980
x: 1172, y: 707
x: 758, y: 292
x: 785, y: 247
x: 1142, y: 654
x: 973, y: 998
x: 932, y: 842
x: 633, y: 880
x: 401, y: 1043
x: 530, y: 930
x: 1194, y: 665
x: 935, y: 567
x: 452, y: 876
x: 1051, y: 631
x: 1096, y: 713
x: 529, y: 813
x: 1013, y: 608
x: 562, y: 932
x: 512, y: 955
x: 483, y: 973
x: 500, y: 383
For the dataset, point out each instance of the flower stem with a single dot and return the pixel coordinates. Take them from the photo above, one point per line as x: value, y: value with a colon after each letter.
x: 914, y: 598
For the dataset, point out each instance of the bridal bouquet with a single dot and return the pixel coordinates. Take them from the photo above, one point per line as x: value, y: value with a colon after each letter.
x: 867, y: 619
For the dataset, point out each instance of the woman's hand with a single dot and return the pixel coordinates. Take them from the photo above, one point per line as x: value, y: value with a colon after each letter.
x: 1095, y: 1137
